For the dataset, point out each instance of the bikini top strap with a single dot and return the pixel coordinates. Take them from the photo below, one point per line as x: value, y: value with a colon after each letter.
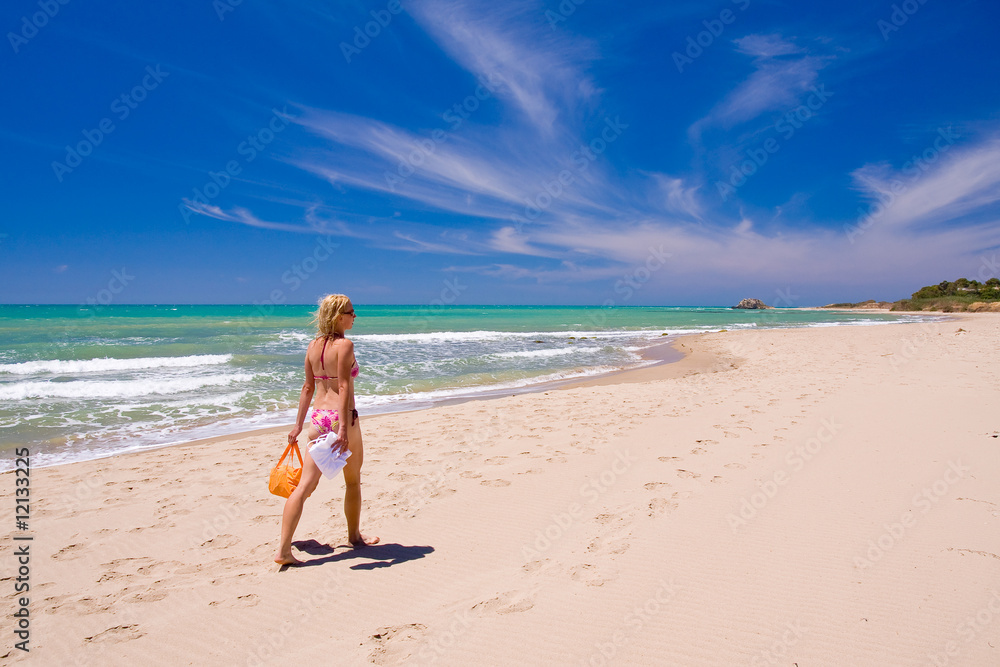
x: 323, y: 353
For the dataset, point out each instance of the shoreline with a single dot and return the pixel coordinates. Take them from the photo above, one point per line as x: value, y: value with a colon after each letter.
x: 660, y: 356
x: 675, y: 354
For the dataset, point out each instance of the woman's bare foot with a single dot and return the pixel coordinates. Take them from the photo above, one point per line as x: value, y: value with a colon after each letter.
x: 288, y: 559
x: 363, y: 541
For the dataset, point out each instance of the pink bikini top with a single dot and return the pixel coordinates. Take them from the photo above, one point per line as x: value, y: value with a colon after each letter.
x: 354, y: 371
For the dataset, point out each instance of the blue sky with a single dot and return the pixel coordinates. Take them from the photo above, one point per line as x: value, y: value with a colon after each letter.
x: 675, y: 153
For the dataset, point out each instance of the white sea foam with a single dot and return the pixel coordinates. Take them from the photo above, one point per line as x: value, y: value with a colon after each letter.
x: 528, y: 354
x: 478, y: 336
x: 294, y: 335
x: 85, y: 389
x: 72, y: 366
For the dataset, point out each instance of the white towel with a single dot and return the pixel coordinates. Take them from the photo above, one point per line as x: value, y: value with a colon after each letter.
x: 328, y: 461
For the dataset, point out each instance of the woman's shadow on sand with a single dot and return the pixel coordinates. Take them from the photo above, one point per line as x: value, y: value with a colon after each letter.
x: 379, y: 555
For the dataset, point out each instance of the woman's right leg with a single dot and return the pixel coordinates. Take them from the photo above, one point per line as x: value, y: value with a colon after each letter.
x: 293, y: 508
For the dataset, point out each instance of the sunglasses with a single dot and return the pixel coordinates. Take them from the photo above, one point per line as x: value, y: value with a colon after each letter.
x: 349, y: 312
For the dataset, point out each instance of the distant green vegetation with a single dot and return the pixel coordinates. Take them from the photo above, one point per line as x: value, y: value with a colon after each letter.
x: 870, y: 303
x: 952, y: 296
x: 988, y: 291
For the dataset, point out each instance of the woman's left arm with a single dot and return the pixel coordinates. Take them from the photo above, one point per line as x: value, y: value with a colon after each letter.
x: 305, y: 399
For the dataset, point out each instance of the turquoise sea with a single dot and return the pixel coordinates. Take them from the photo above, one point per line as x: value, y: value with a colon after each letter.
x: 80, y: 382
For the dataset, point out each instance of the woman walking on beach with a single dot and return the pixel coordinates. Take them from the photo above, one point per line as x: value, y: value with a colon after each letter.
x: 330, y: 371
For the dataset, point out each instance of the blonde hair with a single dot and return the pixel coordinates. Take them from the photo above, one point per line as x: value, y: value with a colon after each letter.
x: 331, y: 307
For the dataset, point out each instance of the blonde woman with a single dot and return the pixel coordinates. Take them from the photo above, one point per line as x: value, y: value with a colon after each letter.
x: 330, y: 372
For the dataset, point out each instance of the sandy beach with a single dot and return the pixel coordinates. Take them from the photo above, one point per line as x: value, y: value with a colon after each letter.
x: 814, y: 496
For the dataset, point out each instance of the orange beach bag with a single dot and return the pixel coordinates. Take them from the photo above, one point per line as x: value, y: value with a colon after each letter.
x: 284, y: 476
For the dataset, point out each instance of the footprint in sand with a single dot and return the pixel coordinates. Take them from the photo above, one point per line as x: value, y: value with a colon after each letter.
x: 116, y: 634
x: 495, y: 482
x: 396, y: 644
x: 717, y: 479
x: 667, y: 459
x: 653, y: 486
x: 658, y: 506
x: 221, y: 542
x: 69, y: 552
x: 687, y: 474
x: 469, y: 474
x: 588, y: 574
x: 496, y: 460
x: 148, y: 596
x: 504, y: 603
x: 248, y: 600
x: 536, y: 565
x: 737, y: 466
x: 699, y: 450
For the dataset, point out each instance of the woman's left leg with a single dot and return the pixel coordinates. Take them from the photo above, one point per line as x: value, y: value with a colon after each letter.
x: 352, y: 494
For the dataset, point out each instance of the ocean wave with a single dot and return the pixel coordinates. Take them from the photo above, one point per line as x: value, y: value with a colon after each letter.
x: 115, y: 389
x: 529, y: 354
x: 295, y: 335
x: 71, y: 366
x: 477, y: 336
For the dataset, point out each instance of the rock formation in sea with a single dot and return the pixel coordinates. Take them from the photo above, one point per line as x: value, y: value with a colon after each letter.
x: 752, y: 304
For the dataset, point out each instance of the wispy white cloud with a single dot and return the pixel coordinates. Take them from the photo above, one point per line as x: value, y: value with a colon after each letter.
x: 541, y: 71
x: 766, y: 46
x: 959, y: 181
x: 414, y: 244
x: 312, y: 221
x: 245, y: 217
x: 783, y: 73
x: 606, y: 225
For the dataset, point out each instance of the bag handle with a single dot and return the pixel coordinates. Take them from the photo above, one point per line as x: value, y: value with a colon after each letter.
x: 294, y: 448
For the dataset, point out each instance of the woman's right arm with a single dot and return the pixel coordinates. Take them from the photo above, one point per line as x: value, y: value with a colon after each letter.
x: 305, y: 399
